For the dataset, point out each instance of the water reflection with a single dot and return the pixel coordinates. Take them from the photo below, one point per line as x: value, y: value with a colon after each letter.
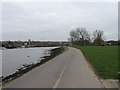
x: 12, y: 59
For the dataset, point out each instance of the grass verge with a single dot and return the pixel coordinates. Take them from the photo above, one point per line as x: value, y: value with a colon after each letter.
x: 104, y: 59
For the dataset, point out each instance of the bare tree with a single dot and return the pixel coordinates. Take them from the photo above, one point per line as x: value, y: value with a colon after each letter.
x: 98, y: 37
x: 80, y: 36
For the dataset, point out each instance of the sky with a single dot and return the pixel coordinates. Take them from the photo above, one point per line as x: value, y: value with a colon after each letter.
x: 53, y: 21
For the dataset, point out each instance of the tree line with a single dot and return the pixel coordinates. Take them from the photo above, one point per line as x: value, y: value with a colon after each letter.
x: 80, y: 36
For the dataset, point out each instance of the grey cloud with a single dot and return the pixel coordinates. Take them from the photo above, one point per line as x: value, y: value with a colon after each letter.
x: 53, y: 21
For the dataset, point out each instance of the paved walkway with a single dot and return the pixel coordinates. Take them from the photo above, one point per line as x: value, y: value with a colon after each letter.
x: 68, y: 70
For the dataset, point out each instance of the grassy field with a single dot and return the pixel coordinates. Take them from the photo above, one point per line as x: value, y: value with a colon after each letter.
x: 104, y: 59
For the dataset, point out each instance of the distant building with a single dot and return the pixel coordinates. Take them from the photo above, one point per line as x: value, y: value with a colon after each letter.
x: 111, y: 42
x: 29, y: 43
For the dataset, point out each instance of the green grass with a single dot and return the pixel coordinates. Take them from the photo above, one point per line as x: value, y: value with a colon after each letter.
x: 104, y: 59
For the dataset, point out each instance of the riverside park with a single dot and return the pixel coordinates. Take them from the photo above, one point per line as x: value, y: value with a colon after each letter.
x: 60, y: 44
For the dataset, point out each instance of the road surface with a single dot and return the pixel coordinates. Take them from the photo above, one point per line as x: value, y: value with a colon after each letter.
x: 68, y: 70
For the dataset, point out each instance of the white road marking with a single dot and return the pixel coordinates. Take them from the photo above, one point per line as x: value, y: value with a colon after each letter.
x: 61, y: 74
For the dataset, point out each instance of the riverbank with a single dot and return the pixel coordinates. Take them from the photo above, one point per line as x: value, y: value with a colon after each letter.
x: 67, y: 70
x: 26, y: 67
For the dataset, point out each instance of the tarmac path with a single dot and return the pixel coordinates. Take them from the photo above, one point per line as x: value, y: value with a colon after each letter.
x: 67, y: 70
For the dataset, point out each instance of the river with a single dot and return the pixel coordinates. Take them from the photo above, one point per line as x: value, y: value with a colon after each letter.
x: 13, y: 59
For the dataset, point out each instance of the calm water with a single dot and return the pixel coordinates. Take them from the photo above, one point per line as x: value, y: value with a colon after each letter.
x: 12, y: 59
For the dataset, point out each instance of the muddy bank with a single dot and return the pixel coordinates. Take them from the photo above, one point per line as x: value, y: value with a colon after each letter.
x: 27, y: 67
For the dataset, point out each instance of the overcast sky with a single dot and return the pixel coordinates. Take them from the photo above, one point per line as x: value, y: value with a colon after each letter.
x: 53, y: 21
